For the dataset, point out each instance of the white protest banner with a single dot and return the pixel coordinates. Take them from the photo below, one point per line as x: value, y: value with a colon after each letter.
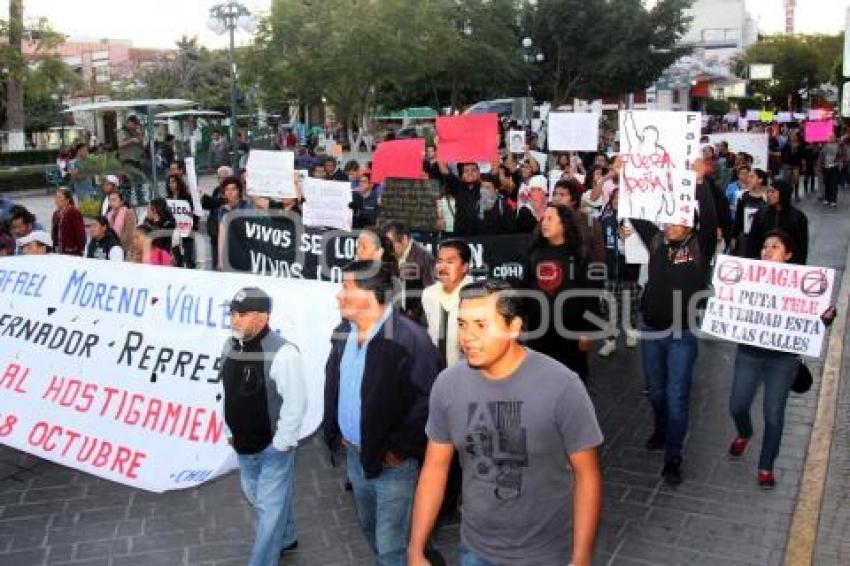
x: 192, y: 181
x: 516, y: 141
x: 769, y: 304
x: 271, y: 174
x: 327, y: 203
x: 112, y: 369
x: 754, y: 144
x: 573, y: 131
x: 658, y: 149
x: 182, y: 212
x: 752, y: 115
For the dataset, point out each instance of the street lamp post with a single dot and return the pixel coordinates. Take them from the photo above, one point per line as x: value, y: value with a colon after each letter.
x: 531, y: 54
x: 226, y: 17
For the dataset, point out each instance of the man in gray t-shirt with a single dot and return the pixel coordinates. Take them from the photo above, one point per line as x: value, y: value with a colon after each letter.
x: 519, y: 421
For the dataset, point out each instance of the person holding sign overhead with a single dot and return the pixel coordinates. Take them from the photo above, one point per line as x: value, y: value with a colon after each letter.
x: 777, y: 370
x: 678, y: 272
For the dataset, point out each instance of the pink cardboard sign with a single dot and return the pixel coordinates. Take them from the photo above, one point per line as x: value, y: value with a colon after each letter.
x: 819, y: 131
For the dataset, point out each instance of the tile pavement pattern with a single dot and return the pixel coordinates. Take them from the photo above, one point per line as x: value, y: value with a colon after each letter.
x: 53, y: 515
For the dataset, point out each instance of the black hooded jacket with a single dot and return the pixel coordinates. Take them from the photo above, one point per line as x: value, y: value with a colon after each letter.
x: 785, y: 217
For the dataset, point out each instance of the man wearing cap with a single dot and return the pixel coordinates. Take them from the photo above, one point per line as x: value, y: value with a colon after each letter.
x: 264, y: 405
x: 37, y: 242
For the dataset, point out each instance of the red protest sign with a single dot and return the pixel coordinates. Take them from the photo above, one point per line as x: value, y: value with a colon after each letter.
x: 470, y: 138
x: 399, y: 159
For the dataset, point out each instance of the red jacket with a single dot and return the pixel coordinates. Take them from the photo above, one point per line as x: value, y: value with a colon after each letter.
x: 69, y: 232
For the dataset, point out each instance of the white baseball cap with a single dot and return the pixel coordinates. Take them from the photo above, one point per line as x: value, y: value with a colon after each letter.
x: 114, y: 180
x: 36, y: 236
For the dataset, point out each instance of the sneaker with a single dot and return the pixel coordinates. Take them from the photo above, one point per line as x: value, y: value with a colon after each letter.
x: 289, y: 547
x: 826, y: 203
x: 766, y: 479
x: 672, y: 472
x: 631, y: 338
x: 608, y: 348
x: 738, y: 447
x: 833, y: 204
x: 655, y: 441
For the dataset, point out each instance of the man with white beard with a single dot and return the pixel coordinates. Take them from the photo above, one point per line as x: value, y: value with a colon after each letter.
x: 264, y: 404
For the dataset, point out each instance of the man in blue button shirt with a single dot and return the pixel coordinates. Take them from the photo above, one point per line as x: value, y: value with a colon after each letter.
x: 378, y: 380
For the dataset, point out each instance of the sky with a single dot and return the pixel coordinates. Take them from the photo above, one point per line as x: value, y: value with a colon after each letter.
x: 159, y: 23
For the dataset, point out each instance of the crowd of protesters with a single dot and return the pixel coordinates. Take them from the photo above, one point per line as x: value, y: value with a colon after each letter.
x: 385, y: 405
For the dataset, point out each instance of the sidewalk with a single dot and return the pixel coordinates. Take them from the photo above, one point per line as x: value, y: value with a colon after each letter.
x: 833, y: 540
x: 55, y: 515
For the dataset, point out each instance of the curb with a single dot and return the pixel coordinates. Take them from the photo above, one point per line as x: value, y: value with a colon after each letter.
x: 803, y: 532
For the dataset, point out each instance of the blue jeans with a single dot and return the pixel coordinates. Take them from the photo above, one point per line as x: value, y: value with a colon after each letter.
x: 777, y: 371
x: 268, y: 482
x: 668, y: 365
x: 383, y: 507
x: 467, y: 557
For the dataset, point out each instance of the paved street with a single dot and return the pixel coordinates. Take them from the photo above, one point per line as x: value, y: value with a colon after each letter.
x: 54, y: 515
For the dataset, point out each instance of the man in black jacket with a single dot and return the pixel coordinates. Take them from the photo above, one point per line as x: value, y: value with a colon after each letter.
x: 678, y: 274
x: 781, y: 214
x: 377, y: 382
x: 466, y: 191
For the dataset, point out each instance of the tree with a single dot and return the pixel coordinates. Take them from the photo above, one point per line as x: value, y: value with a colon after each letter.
x: 800, y: 63
x: 16, y: 67
x: 193, y: 72
x: 355, y: 53
x: 597, y: 48
x: 42, y: 79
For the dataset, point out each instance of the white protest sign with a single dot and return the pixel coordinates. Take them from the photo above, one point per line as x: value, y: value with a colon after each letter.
x: 770, y: 305
x: 192, y: 181
x: 271, y: 174
x: 658, y: 149
x: 516, y: 141
x: 327, y: 203
x: 573, y: 131
x: 112, y: 369
x: 541, y: 158
x: 182, y: 212
x: 752, y: 115
x: 754, y: 144
x: 634, y: 248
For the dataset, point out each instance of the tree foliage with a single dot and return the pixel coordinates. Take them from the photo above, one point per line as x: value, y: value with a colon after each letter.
x: 800, y: 63
x: 193, y: 72
x: 354, y: 53
x: 44, y: 77
x: 597, y: 48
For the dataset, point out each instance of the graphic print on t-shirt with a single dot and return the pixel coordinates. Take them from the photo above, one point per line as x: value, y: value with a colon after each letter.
x: 550, y: 276
x: 496, y: 445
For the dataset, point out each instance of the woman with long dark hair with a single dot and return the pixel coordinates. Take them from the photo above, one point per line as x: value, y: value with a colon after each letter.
x: 558, y: 265
x: 179, y: 191
x: 104, y: 242
x: 161, y: 221
x: 776, y: 370
x: 122, y: 220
